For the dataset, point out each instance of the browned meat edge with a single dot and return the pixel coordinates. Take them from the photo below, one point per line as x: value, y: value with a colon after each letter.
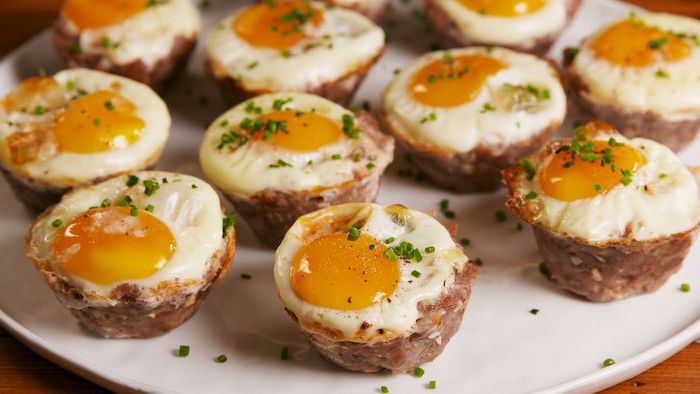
x: 158, y: 77
x: 451, y: 36
x: 270, y: 212
x: 439, y: 320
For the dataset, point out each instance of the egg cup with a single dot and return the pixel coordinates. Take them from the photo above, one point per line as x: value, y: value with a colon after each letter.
x: 534, y: 102
x: 60, y: 133
x: 312, y: 57
x: 128, y: 308
x: 372, y: 9
x: 440, y: 14
x: 152, y: 45
x: 274, y: 178
x: 645, y: 93
x: 371, y: 338
x: 619, y: 263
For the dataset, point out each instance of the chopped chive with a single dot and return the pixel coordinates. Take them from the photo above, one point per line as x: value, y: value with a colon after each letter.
x: 149, y: 208
x: 134, y: 211
x: 430, y: 249
x: 109, y: 105
x: 228, y: 222
x: 479, y: 261
x: 529, y: 168
x: 353, y: 234
x: 57, y: 223
x: 501, y: 216
x: 284, y: 353
x: 132, y: 180
x: 371, y: 246
x: 150, y: 187
x: 336, y: 156
x: 415, y: 274
x: 534, y: 311
x: 544, y: 270
x: 246, y: 276
x: 418, y: 372
x: 222, y: 358
x: 685, y: 287
x: 608, y: 362
x: 390, y: 254
x: 183, y: 351
x: 465, y: 242
x: 105, y: 203
x: 432, y: 385
x: 384, y: 389
x: 389, y: 240
x: 531, y: 196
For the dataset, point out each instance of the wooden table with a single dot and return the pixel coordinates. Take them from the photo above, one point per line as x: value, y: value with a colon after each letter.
x: 23, y: 371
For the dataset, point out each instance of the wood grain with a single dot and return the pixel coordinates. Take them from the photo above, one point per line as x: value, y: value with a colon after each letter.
x: 21, y: 370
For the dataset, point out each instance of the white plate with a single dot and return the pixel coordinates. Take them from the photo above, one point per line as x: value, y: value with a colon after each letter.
x: 500, y: 348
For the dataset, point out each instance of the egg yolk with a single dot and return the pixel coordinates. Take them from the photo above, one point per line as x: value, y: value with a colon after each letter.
x: 453, y: 81
x: 109, y: 245
x: 504, y: 7
x: 98, y: 122
x: 334, y: 272
x: 276, y: 24
x: 595, y: 169
x: 631, y: 43
x: 94, y: 14
x: 303, y: 131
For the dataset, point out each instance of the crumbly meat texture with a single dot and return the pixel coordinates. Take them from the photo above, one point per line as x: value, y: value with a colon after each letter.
x: 475, y: 171
x: 270, y: 212
x: 439, y: 320
x: 128, y: 314
x: 340, y: 91
x: 373, y: 9
x: 451, y: 36
x: 599, y: 272
x: 646, y: 124
x: 163, y: 72
x: 614, y: 271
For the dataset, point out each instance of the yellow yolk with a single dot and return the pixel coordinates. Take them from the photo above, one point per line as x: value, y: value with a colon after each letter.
x: 108, y: 245
x: 98, y: 122
x: 94, y: 14
x: 279, y: 26
x: 453, y: 81
x: 333, y: 272
x: 504, y: 7
x: 304, y: 132
x: 570, y: 180
x: 633, y: 44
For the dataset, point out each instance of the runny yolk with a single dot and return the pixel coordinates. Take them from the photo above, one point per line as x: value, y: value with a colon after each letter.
x: 453, y: 81
x: 98, y: 122
x: 631, y: 43
x: 277, y: 25
x: 504, y: 7
x: 108, y: 245
x: 305, y: 131
x: 93, y: 14
x: 333, y: 272
x: 587, y: 175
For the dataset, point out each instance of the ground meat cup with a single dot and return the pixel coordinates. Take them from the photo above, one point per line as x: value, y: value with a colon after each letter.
x: 439, y: 320
x: 35, y: 198
x: 450, y: 35
x: 270, y: 212
x: 475, y: 171
x: 126, y: 313
x: 159, y: 76
x: 674, y: 134
x: 373, y: 9
x: 340, y: 91
x: 599, y: 272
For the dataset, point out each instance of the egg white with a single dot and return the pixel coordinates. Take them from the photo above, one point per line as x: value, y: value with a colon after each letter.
x: 669, y: 205
x: 67, y: 169
x: 192, y: 213
x: 346, y: 42
x: 396, y: 317
x: 147, y: 36
x: 522, y: 30
x: 463, y: 127
x: 639, y: 88
x: 247, y: 170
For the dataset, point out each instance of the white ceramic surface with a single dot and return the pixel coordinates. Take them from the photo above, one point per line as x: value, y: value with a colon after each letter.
x: 501, y: 347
